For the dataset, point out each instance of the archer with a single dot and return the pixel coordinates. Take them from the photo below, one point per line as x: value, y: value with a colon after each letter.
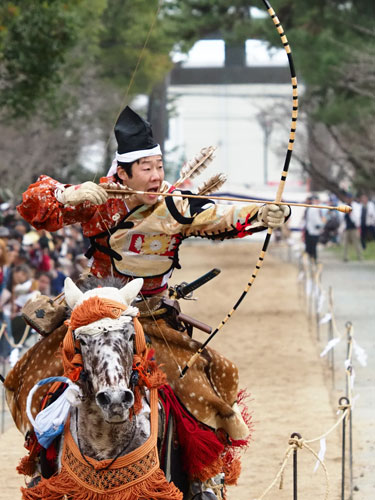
x: 139, y: 236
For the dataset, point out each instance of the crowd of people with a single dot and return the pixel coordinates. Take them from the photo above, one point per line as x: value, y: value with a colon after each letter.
x: 32, y: 261
x: 354, y: 229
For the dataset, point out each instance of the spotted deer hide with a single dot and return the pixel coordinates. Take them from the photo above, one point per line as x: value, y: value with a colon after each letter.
x: 208, y: 390
x: 210, y: 387
x: 40, y: 361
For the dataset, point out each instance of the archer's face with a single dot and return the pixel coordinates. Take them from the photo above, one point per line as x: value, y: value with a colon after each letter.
x: 147, y: 175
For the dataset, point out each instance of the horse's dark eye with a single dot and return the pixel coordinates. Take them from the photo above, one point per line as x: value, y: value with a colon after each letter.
x: 82, y: 342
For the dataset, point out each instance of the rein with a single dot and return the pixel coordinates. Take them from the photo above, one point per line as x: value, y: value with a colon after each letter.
x: 121, y: 452
x: 121, y: 461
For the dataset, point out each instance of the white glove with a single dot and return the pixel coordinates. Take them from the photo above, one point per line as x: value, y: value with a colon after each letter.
x: 88, y: 191
x: 273, y: 215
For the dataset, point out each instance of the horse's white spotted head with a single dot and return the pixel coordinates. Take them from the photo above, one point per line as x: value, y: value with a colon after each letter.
x: 106, y: 345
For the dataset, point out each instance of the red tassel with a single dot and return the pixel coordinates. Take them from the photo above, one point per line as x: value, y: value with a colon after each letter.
x: 51, y: 453
x: 241, y: 228
x: 242, y: 399
x: 200, y: 446
x: 27, y: 466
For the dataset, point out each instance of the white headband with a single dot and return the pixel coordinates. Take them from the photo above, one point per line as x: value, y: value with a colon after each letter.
x: 132, y: 156
x: 136, y: 155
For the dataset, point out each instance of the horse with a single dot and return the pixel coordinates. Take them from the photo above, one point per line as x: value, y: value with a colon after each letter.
x: 110, y: 419
x: 107, y: 353
x: 108, y: 447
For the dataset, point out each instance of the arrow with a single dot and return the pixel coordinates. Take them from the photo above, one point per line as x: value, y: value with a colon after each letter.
x: 346, y: 209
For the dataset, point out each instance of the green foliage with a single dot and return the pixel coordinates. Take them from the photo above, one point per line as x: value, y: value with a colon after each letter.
x: 190, y: 20
x: 133, y: 39
x: 46, y: 48
x: 342, y: 108
x: 35, y: 40
x: 328, y: 38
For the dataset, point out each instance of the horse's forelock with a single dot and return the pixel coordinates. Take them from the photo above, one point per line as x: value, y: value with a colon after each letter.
x: 92, y: 282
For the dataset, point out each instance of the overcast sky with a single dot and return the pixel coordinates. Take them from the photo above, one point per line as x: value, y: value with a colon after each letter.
x: 211, y: 53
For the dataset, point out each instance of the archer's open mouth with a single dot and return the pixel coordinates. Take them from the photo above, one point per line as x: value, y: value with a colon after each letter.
x: 151, y: 193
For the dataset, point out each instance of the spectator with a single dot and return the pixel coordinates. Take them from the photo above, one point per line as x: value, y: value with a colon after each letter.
x: 58, y: 278
x: 39, y: 255
x: 81, y: 263
x: 18, y: 254
x: 351, y: 229
x: 24, y: 287
x: 331, y: 228
x: 21, y: 227
x: 65, y: 265
x: 46, y: 241
x: 4, y: 278
x: 367, y: 220
x: 60, y: 246
x: 7, y: 299
x: 44, y: 281
x: 314, y: 223
x: 4, y: 268
x: 4, y: 233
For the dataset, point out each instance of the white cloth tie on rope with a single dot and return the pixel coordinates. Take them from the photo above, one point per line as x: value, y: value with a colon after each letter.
x: 331, y: 344
x: 49, y: 423
x: 327, y: 317
x: 321, y: 454
x: 360, y: 353
x: 354, y: 400
x: 321, y: 302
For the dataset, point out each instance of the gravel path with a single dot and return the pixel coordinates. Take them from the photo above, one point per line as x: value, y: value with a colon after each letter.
x: 353, y: 285
x: 353, y: 289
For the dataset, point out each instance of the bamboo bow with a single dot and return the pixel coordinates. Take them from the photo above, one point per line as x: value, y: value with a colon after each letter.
x: 279, y: 192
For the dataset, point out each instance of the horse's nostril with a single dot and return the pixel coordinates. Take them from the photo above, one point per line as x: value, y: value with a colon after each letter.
x: 103, y: 398
x: 128, y: 397
x: 108, y: 400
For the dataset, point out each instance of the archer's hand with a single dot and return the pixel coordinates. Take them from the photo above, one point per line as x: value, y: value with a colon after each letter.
x: 88, y: 191
x: 273, y: 215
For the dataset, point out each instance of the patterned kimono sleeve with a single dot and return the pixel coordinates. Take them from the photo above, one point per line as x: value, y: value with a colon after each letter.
x: 222, y: 221
x: 41, y: 209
